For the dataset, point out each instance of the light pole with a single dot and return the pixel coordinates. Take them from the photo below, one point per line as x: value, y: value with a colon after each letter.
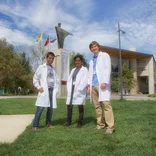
x: 120, y: 60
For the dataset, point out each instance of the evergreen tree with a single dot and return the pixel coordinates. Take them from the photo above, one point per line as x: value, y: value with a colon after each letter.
x: 128, y: 80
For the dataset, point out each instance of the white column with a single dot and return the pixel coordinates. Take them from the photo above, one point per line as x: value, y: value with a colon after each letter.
x: 58, y: 65
x: 151, y: 76
x: 133, y: 63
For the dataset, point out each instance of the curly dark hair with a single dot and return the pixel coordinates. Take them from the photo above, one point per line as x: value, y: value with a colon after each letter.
x: 79, y: 56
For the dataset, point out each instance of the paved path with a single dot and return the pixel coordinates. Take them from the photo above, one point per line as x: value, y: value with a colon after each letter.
x: 14, y: 97
x: 135, y: 97
x: 11, y: 126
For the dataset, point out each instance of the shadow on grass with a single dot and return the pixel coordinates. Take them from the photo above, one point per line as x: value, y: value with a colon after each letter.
x: 62, y: 121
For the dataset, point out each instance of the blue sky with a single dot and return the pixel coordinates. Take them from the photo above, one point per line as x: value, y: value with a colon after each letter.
x: 22, y: 20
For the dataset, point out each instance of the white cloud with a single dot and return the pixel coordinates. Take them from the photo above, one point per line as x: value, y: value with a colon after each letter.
x: 81, y: 40
x: 43, y: 15
x: 139, y: 22
x: 15, y: 36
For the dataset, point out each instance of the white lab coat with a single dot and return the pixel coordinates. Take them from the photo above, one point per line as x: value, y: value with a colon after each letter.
x: 40, y: 80
x: 103, y: 71
x: 79, y: 95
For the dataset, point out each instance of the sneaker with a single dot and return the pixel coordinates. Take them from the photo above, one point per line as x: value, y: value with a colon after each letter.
x: 67, y: 124
x: 79, y: 124
x: 50, y: 126
x: 109, y: 131
x: 35, y: 128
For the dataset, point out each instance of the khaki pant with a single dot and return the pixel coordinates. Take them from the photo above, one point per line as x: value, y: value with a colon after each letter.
x: 104, y: 112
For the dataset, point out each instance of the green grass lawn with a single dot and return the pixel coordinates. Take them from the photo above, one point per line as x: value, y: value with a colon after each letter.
x: 135, y: 124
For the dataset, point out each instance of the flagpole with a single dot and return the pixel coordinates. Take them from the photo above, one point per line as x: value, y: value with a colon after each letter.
x: 41, y: 51
x: 49, y: 44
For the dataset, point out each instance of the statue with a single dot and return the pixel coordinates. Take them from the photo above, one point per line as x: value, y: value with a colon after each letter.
x: 61, y: 34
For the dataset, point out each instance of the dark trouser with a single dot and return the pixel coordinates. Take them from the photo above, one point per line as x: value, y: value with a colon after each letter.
x: 81, y: 113
x: 70, y: 109
x: 40, y: 110
x: 69, y: 113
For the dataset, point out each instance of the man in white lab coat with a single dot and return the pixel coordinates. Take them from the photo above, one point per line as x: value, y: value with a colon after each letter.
x: 46, y: 81
x: 99, y: 88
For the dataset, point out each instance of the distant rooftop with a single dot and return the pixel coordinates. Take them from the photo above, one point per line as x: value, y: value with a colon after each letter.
x: 125, y: 54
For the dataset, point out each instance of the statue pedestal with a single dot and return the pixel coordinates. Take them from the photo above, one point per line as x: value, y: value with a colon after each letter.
x: 62, y: 66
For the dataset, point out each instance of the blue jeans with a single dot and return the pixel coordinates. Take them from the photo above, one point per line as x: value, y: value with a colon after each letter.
x: 40, y: 110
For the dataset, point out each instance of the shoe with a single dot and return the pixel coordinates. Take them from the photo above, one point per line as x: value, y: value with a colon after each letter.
x: 109, y: 131
x: 79, y: 125
x: 67, y: 124
x: 50, y: 126
x: 35, y: 128
x: 99, y: 127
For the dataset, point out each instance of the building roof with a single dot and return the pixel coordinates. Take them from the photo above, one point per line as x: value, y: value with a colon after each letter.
x: 125, y: 54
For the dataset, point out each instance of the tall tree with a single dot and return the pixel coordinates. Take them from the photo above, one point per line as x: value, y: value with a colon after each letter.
x: 128, y: 78
x: 38, y: 54
x: 15, y: 69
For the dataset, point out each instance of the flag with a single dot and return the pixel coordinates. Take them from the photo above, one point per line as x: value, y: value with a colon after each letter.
x: 53, y: 40
x: 47, y: 41
x: 39, y: 38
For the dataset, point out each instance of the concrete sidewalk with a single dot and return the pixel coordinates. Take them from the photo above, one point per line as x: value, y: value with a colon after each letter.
x: 11, y: 126
x: 20, y: 97
x: 133, y: 97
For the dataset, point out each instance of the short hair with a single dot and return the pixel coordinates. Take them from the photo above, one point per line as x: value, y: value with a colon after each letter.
x: 79, y: 56
x: 50, y: 53
x: 94, y: 43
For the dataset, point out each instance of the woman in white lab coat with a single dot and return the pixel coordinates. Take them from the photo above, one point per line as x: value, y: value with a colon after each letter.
x: 46, y: 81
x: 76, y: 90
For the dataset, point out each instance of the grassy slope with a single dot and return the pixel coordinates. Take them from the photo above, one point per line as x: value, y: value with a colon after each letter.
x: 134, y: 122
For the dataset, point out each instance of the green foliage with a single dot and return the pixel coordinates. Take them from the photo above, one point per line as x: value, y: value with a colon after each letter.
x: 25, y: 63
x: 134, y: 136
x: 15, y: 69
x: 128, y: 80
x: 115, y: 83
x: 152, y: 95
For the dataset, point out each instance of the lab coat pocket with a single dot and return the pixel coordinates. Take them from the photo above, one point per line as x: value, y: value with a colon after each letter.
x: 78, y: 94
x: 41, y: 94
x: 42, y: 100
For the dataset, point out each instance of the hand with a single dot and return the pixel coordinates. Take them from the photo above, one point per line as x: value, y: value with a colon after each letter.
x: 103, y: 86
x: 41, y: 90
